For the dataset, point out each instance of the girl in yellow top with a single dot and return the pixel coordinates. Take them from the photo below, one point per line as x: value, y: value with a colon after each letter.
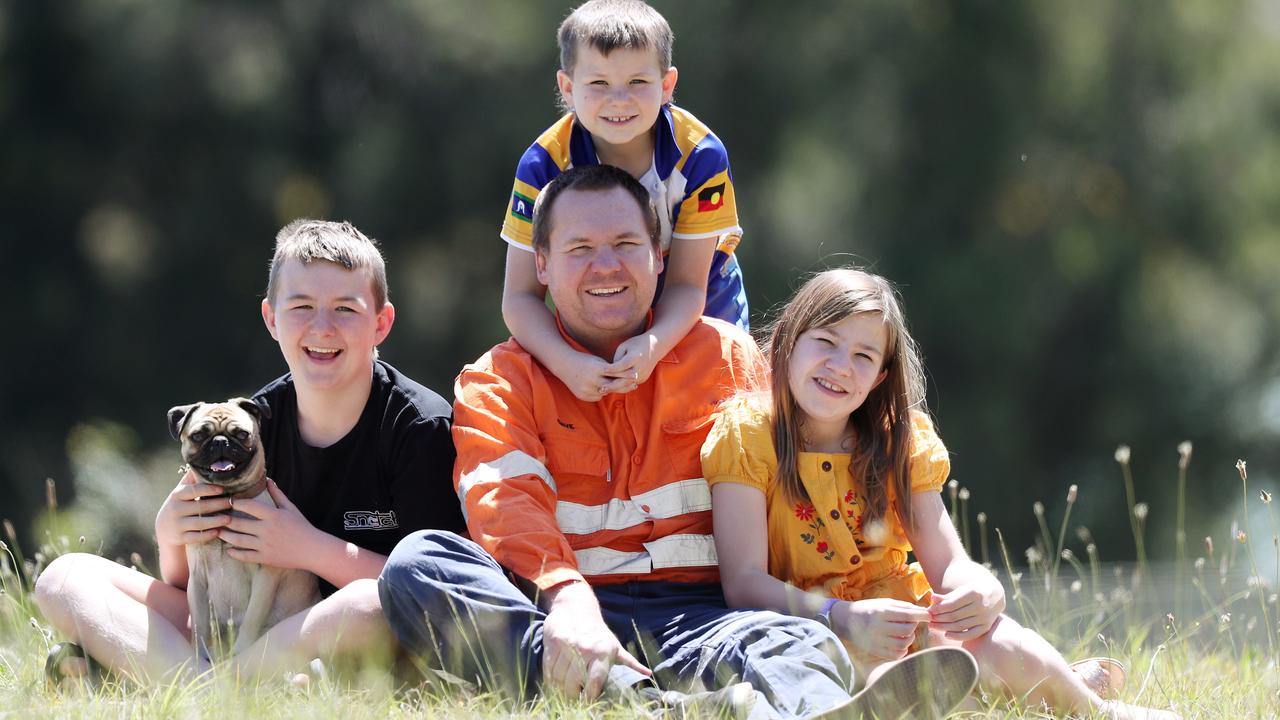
x: 821, y: 488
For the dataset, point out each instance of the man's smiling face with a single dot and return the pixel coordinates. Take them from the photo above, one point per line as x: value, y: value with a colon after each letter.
x: 600, y: 267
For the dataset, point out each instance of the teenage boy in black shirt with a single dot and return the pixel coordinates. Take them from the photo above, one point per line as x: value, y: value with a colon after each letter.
x: 359, y: 454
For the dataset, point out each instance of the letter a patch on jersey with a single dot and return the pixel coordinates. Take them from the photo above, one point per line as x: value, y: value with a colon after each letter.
x: 711, y: 198
x: 521, y: 207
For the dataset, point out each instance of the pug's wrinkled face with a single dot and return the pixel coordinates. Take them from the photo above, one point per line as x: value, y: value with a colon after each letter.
x: 221, y: 442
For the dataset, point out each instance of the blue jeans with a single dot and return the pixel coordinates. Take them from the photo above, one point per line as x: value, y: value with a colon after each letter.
x: 453, y: 608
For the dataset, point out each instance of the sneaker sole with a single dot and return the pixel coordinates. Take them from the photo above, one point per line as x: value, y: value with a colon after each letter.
x: 925, y: 684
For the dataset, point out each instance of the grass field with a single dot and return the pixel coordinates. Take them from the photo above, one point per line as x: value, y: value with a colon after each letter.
x: 1199, y: 635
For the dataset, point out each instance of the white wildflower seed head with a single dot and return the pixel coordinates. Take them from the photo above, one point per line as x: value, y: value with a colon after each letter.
x: 1038, y: 508
x: 1140, y: 511
x: 1067, y: 554
x: 1265, y: 497
x: 1091, y: 549
x: 1184, y: 454
x: 982, y: 518
x: 1076, y: 586
x: 1083, y: 533
x: 1071, y: 493
x: 1241, y: 537
x: 1034, y: 555
x: 953, y: 485
x: 1242, y: 468
x: 964, y: 494
x: 1122, y: 454
x: 1199, y: 564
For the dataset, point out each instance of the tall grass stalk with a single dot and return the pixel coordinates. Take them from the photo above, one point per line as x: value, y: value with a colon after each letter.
x: 982, y: 538
x: 1123, y: 455
x: 1180, y: 536
x: 1013, y: 578
x: 1062, y: 530
x: 1038, y: 509
x: 1260, y: 591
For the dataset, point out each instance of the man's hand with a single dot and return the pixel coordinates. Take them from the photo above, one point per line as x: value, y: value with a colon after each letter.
x: 636, y: 357
x: 577, y: 647
x: 192, y: 514
x: 879, y: 630
x: 970, y: 610
x: 277, y: 536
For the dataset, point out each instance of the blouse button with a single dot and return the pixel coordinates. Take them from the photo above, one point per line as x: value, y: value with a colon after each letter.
x: 835, y: 514
x: 855, y: 559
x: 826, y: 466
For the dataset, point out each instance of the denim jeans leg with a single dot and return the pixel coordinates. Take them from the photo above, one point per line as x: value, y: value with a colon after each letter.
x: 452, y: 607
x: 797, y: 666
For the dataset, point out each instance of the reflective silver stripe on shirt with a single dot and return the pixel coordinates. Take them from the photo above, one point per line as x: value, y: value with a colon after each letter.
x: 513, y: 464
x: 668, y: 552
x: 670, y: 500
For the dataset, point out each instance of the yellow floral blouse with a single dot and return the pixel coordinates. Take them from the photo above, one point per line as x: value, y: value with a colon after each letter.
x: 824, y: 544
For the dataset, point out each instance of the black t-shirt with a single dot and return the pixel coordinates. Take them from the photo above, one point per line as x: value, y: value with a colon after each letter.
x: 390, y: 476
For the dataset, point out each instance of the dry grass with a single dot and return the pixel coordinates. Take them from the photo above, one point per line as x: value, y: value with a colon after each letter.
x: 1216, y: 657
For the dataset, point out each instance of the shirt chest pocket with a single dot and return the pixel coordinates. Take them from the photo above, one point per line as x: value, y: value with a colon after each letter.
x: 683, y: 440
x: 573, y: 461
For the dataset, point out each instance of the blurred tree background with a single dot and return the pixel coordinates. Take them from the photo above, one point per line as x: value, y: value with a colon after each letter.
x: 1079, y: 201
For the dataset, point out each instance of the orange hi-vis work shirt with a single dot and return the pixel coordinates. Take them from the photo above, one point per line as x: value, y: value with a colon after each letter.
x: 558, y: 489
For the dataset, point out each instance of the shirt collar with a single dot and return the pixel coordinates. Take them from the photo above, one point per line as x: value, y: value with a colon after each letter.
x: 670, y: 357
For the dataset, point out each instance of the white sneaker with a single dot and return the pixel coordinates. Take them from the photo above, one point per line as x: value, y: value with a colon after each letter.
x: 925, y: 684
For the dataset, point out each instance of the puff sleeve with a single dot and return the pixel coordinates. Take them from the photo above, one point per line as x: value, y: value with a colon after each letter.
x: 930, y: 464
x: 739, y: 448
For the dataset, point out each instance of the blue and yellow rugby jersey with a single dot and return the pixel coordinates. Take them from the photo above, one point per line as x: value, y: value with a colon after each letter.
x: 689, y: 182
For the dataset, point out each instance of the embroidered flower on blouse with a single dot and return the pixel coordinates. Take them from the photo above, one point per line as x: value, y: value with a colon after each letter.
x: 827, y: 552
x: 849, y: 498
x: 805, y: 511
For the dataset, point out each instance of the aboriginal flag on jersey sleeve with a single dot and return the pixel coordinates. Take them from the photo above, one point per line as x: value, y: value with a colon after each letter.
x: 711, y: 199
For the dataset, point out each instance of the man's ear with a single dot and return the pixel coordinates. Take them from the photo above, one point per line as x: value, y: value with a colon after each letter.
x: 385, y: 319
x: 178, y: 418
x: 565, y: 84
x: 669, y: 79
x: 269, y: 318
x: 540, y: 265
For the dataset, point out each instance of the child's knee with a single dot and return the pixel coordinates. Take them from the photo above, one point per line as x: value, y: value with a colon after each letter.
x: 359, y: 598
x: 56, y: 580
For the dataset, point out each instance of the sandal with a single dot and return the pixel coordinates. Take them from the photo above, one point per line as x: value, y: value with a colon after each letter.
x: 1105, y: 676
x: 55, y: 675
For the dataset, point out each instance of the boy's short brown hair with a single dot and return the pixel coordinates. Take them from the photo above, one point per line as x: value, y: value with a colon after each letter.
x: 607, y: 25
x: 336, y: 242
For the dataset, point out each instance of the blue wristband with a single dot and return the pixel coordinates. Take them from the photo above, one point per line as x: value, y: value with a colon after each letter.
x: 824, y: 614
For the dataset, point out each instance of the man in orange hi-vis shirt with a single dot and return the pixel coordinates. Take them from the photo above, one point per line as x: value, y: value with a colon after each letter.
x: 599, y: 510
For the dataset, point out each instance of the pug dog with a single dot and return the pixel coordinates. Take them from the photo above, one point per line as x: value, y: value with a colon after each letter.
x: 233, y: 602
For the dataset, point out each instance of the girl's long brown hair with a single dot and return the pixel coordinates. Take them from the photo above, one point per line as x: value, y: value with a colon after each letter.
x: 882, y: 424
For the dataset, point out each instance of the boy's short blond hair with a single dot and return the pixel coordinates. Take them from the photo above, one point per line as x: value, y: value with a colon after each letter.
x: 607, y: 25
x: 337, y: 242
